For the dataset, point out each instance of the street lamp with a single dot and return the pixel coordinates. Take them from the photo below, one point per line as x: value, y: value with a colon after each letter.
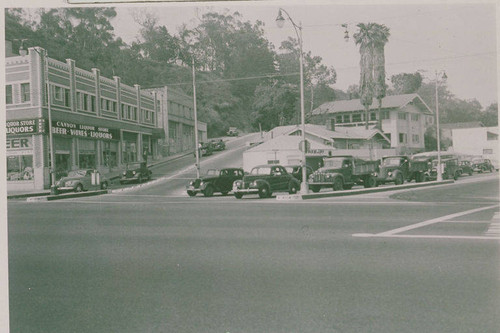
x: 196, y: 143
x: 280, y: 22
x: 439, y: 170
x: 49, y: 115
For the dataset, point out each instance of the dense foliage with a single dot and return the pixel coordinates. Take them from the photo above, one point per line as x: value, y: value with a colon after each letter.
x: 242, y: 80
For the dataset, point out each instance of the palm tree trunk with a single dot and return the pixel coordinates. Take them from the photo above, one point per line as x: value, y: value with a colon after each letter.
x: 379, y: 114
x: 367, y: 107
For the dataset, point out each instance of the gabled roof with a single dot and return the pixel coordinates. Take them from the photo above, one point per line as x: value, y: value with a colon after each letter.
x: 388, y: 102
x: 287, y: 142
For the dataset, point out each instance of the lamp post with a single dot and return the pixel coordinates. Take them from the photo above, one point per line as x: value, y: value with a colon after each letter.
x: 438, y: 137
x: 196, y: 143
x: 280, y: 22
x: 49, y: 116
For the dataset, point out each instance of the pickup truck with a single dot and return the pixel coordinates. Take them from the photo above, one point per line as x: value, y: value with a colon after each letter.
x: 343, y: 172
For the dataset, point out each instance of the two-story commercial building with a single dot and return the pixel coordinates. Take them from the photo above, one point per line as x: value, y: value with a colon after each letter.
x: 405, y: 119
x: 96, y: 122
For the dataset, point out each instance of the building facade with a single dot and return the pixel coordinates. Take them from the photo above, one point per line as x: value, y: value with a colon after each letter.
x: 477, y: 141
x: 176, y: 117
x: 405, y: 119
x: 96, y: 122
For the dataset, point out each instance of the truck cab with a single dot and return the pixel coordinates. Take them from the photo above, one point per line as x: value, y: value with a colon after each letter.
x: 394, y: 169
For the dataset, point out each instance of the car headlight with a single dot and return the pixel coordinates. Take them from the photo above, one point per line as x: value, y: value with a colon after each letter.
x: 191, y: 183
x: 124, y: 173
x: 133, y: 172
x: 375, y: 174
x: 328, y: 175
x: 389, y: 173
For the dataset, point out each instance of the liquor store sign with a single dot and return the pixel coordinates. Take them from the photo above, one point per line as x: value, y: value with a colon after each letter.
x: 26, y: 126
x: 84, y: 131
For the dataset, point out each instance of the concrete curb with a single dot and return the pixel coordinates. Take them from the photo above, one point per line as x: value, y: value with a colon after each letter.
x: 66, y: 196
x: 360, y: 191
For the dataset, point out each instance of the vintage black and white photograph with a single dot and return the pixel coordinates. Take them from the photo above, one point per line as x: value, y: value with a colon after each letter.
x: 250, y: 166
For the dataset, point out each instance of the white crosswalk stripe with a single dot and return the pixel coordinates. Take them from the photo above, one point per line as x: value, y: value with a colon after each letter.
x: 494, y: 229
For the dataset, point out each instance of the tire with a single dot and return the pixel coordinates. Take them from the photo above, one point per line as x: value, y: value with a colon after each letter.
x: 470, y: 173
x: 399, y: 179
x: 191, y: 193
x: 315, y: 188
x: 338, y: 184
x: 104, y: 186
x: 79, y: 188
x: 238, y: 195
x: 293, y: 188
x: 264, y: 191
x: 424, y: 178
x: 370, y: 182
x: 418, y: 177
x: 209, y: 191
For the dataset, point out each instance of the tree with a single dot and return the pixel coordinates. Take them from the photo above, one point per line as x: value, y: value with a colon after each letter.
x: 371, y: 39
x: 275, y: 105
x: 489, y: 117
x: 406, y: 83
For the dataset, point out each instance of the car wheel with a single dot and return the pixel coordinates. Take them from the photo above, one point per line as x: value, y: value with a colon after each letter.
x: 264, y: 191
x: 338, y: 184
x: 191, y: 193
x: 293, y: 188
x: 399, y: 179
x: 370, y: 182
x: 104, y: 186
x: 315, y: 188
x: 470, y: 173
x: 79, y: 188
x: 238, y: 195
x: 209, y: 191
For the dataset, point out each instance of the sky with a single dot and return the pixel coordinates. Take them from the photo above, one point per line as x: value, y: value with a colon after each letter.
x: 459, y: 39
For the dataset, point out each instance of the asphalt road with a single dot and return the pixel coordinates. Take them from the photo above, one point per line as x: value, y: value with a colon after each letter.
x: 155, y: 260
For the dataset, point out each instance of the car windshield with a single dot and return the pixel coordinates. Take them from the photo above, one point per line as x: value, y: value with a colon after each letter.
x: 212, y: 172
x: 133, y: 166
x: 292, y: 169
x: 261, y: 171
x: 391, y: 161
x: 77, y: 173
x: 334, y: 163
x: 477, y: 160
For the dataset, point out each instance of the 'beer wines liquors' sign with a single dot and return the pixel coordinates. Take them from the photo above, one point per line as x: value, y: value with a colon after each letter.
x: 84, y: 131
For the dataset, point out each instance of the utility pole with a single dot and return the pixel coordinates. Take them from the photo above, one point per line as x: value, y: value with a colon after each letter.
x: 196, y: 142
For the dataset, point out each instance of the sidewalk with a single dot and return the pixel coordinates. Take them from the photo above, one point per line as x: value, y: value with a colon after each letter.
x: 110, y: 176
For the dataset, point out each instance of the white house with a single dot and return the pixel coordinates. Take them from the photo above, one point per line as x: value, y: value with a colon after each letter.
x: 405, y: 119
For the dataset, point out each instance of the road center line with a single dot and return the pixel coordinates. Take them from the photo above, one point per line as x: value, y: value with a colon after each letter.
x: 435, y: 220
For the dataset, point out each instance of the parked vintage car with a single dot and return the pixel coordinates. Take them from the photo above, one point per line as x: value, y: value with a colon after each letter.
x: 233, y: 131
x: 218, y: 145
x: 135, y: 172
x: 449, y: 169
x: 296, y: 171
x: 465, y: 167
x: 482, y: 164
x: 264, y: 180
x: 215, y: 181
x: 82, y: 180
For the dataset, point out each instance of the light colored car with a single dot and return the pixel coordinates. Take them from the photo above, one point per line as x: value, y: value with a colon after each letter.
x: 82, y: 180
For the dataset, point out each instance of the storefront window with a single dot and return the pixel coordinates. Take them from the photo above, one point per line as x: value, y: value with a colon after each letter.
x: 86, y: 154
x: 109, y: 154
x: 20, y: 167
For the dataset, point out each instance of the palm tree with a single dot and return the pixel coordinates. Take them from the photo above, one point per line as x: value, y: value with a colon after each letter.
x: 371, y: 39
